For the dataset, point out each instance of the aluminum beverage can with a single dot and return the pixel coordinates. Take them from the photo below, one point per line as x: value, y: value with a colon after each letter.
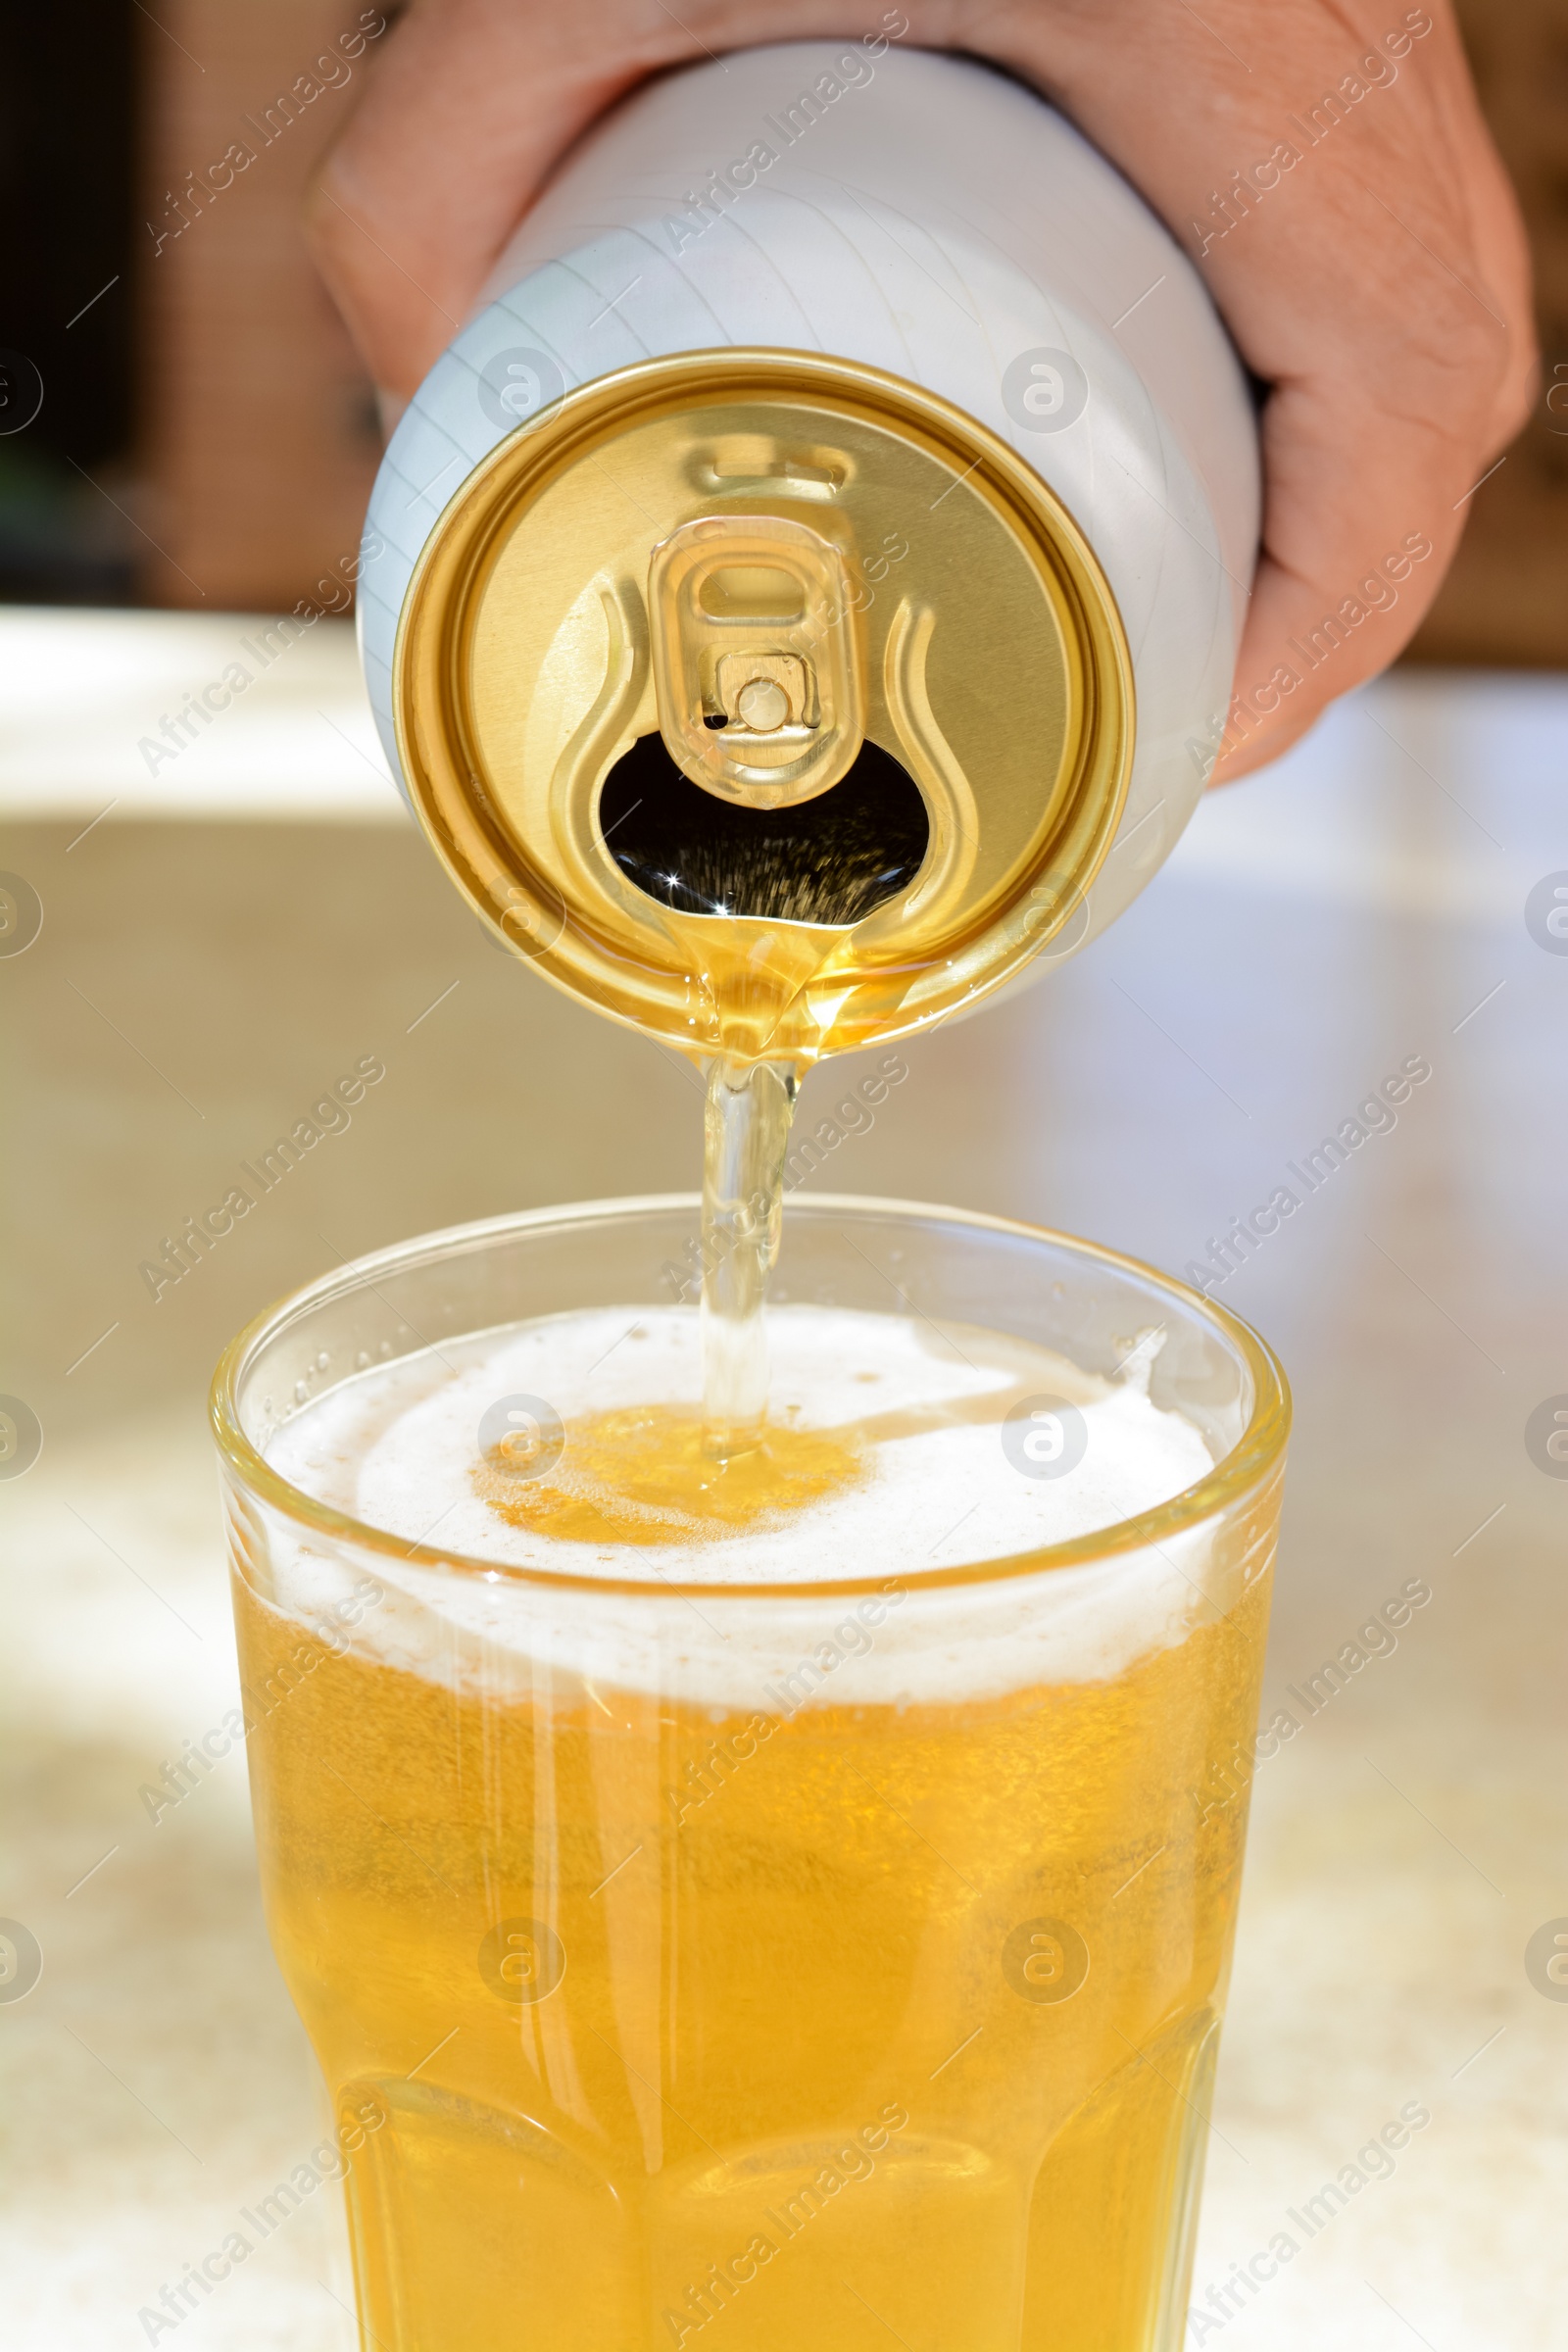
x: 823, y: 553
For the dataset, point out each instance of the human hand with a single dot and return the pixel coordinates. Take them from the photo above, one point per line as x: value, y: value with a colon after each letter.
x: 1377, y: 283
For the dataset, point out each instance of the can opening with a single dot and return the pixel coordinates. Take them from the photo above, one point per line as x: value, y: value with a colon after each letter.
x: 550, y: 629
x: 832, y: 859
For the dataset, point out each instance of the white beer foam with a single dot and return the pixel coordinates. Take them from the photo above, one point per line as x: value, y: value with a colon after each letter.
x: 395, y: 1447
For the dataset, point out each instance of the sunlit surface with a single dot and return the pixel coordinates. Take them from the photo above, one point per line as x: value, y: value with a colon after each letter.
x: 197, y: 991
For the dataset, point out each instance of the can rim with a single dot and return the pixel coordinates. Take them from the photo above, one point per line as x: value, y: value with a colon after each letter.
x: 431, y: 654
x: 1250, y: 1462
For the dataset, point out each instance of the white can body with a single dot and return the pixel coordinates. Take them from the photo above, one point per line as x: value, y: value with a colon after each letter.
x: 920, y: 215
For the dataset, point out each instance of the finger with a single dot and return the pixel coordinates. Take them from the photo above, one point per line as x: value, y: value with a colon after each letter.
x: 1367, y: 258
x: 1362, y: 511
x: 1381, y: 293
x: 1374, y: 448
x: 470, y: 107
x: 467, y: 112
x: 1499, y: 244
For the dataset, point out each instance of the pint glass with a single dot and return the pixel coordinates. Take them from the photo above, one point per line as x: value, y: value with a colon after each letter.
x: 760, y: 1964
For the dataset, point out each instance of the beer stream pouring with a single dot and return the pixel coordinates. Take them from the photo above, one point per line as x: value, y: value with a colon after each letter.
x: 802, y: 599
x: 800, y: 604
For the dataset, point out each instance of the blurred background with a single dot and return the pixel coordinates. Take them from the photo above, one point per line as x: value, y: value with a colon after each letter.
x: 192, y: 946
x: 207, y: 437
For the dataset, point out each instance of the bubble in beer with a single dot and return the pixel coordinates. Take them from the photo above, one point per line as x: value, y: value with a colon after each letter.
x: 523, y: 1960
x: 1045, y: 391
x: 1044, y: 1437
x: 1546, y: 1436
x: 521, y: 1436
x: 20, y: 1960
x: 1045, y: 1960
x: 1547, y: 1959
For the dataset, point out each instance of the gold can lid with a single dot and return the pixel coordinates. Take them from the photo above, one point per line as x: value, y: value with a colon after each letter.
x: 764, y: 701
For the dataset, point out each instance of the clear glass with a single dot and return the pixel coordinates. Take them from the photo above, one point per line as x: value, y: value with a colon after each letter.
x: 849, y: 1958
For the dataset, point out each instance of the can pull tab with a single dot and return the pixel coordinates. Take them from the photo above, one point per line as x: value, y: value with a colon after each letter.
x: 756, y: 666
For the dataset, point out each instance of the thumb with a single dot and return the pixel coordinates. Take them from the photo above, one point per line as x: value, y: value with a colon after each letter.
x: 462, y: 119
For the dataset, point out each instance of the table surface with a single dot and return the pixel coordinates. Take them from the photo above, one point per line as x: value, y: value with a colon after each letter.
x: 198, y: 980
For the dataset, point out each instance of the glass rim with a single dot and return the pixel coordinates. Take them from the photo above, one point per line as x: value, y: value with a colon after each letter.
x: 1255, y: 1453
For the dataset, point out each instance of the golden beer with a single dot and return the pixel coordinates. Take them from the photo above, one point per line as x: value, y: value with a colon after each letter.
x: 869, y: 2024
x: 837, y: 2006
